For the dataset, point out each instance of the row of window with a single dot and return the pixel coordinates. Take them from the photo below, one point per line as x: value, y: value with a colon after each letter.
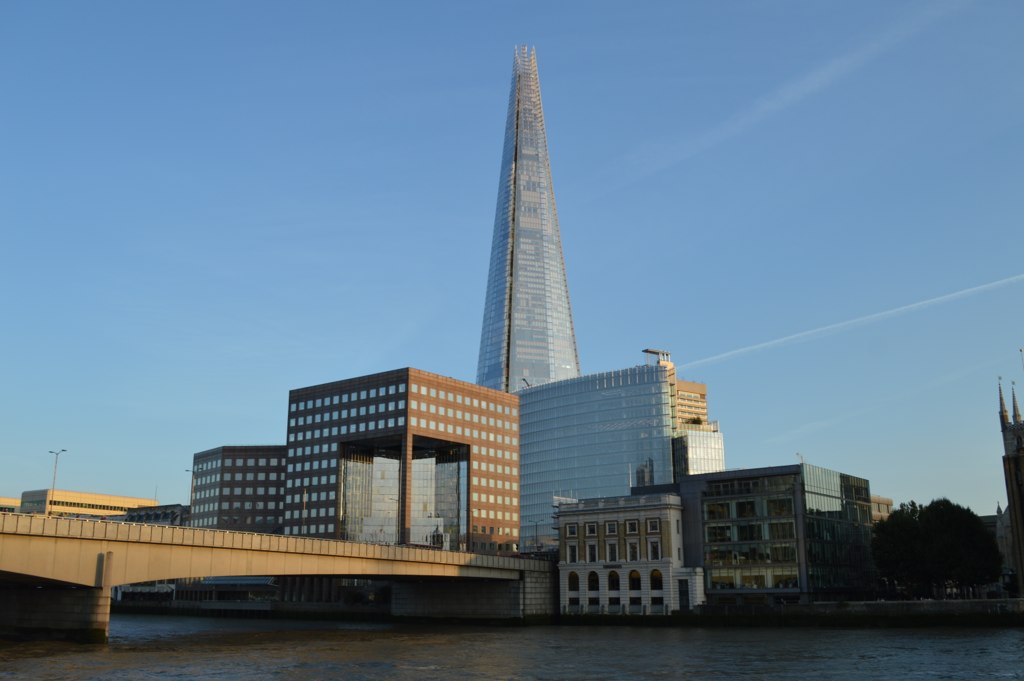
x: 496, y: 515
x: 371, y: 394
x: 467, y: 416
x: 442, y: 427
x: 467, y: 401
x: 491, y: 482
x: 318, y: 433
x: 344, y: 414
x: 611, y: 552
x: 613, y: 582
x: 611, y: 527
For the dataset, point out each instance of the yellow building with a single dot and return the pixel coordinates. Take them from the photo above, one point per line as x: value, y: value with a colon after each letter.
x: 9, y: 504
x: 67, y: 503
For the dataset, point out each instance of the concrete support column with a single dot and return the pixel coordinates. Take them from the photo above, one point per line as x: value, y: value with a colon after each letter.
x: 73, y: 614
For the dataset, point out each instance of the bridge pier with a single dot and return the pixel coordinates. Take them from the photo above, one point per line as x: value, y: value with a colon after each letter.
x: 56, y: 611
x: 80, y: 614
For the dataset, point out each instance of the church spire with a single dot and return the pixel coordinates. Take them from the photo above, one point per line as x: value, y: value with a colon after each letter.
x: 1004, y: 417
x: 1016, y: 409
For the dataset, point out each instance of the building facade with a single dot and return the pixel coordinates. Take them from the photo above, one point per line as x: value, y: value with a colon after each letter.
x: 599, y: 435
x: 404, y: 456
x: 624, y: 556
x: 527, y: 336
x: 239, y: 487
x: 1012, y: 428
x: 68, y: 503
x: 780, y: 534
x: 9, y: 504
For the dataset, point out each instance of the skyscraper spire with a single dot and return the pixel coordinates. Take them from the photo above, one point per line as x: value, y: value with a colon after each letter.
x: 527, y: 336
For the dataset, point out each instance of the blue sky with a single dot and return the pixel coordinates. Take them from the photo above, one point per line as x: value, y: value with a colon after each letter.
x: 205, y: 204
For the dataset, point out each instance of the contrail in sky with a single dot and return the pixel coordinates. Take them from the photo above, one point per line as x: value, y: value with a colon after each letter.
x: 667, y: 153
x: 859, y: 321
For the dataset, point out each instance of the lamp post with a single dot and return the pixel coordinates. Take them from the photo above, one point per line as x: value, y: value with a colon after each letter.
x: 53, y: 485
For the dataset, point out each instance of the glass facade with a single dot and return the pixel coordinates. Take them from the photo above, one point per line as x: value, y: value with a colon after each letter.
x: 699, y: 451
x: 527, y: 337
x: 405, y: 457
x: 788, y: 533
x: 593, y: 436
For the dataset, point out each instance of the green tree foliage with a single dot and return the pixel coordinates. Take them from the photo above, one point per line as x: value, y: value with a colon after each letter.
x: 927, y: 550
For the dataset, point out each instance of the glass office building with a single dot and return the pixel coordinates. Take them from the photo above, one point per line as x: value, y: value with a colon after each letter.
x: 407, y: 457
x: 527, y: 337
x: 793, y: 533
x: 593, y: 436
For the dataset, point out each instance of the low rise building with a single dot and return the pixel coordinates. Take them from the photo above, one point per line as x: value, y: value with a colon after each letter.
x: 9, y: 504
x: 624, y: 555
x: 63, y: 502
x: 796, y: 533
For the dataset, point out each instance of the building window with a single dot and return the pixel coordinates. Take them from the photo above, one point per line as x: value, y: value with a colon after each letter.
x: 572, y: 555
x: 656, y: 581
x: 591, y: 553
x: 634, y: 580
x: 571, y: 530
x: 653, y: 525
x: 590, y: 528
x: 632, y: 527
x: 593, y: 583
x: 611, y: 528
x: 574, y: 581
x: 634, y: 551
x: 654, y: 550
x: 613, y: 581
x: 612, y: 552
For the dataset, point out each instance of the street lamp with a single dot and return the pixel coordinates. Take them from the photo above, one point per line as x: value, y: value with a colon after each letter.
x: 53, y: 485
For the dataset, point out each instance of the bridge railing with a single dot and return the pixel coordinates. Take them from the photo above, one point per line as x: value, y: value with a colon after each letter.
x: 106, y: 530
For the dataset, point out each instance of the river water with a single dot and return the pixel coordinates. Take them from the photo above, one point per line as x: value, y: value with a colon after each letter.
x: 151, y: 647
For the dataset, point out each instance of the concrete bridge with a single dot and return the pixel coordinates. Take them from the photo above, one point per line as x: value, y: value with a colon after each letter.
x: 56, y: 573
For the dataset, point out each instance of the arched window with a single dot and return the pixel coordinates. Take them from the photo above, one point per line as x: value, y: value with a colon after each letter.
x: 656, y: 580
x: 613, y: 581
x: 574, y: 581
x: 634, y: 580
x: 593, y: 583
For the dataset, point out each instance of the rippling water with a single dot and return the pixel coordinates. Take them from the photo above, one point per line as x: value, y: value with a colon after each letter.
x: 143, y: 647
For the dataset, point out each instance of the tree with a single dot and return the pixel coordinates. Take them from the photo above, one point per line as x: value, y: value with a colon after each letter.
x: 927, y: 550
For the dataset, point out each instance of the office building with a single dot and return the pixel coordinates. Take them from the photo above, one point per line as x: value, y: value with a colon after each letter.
x: 601, y: 434
x: 881, y: 508
x: 794, y: 533
x: 404, y: 456
x: 624, y: 556
x: 239, y: 488
x: 1013, y: 474
x: 9, y: 504
x: 64, y: 502
x: 527, y: 337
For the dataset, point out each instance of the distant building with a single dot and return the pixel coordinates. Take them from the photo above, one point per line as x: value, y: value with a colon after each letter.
x: 9, y: 504
x: 239, y: 487
x: 1013, y: 473
x: 176, y: 515
x: 793, y: 533
x: 624, y: 556
x: 601, y: 434
x: 79, y: 504
x: 881, y: 508
x: 404, y: 456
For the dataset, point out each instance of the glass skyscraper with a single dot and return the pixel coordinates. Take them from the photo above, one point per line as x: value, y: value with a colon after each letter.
x: 527, y: 337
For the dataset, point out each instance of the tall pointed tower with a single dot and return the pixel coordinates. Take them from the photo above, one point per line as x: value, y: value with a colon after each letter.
x: 1013, y: 472
x: 527, y: 337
